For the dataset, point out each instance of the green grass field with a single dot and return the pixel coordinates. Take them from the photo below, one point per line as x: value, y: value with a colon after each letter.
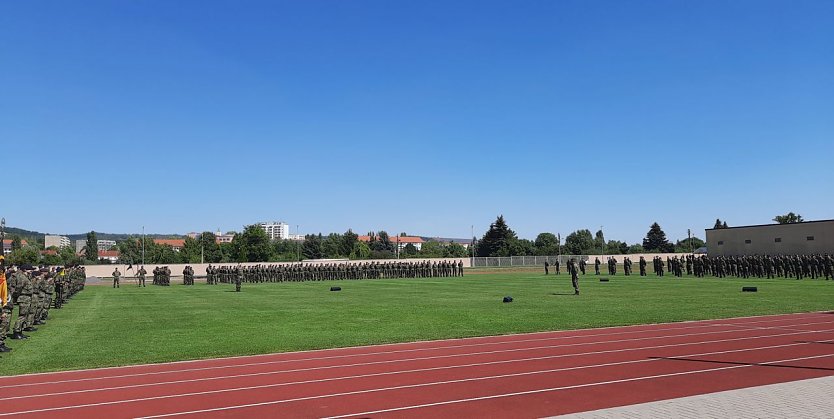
x: 103, y: 326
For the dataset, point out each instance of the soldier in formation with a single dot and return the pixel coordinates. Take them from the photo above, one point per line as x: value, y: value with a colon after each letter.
x: 596, y: 266
x: 334, y: 271
x: 612, y: 266
x: 34, y: 291
x: 162, y: 276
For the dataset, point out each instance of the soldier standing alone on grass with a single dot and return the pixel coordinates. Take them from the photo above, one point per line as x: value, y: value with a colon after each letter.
x: 116, y: 275
x: 141, y: 272
x: 574, y: 277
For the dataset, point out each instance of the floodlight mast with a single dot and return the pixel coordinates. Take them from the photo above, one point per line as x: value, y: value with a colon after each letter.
x: 3, y: 236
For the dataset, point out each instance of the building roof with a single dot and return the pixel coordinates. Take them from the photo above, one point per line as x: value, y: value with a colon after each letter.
x: 772, y: 225
x: 170, y: 242
x: 394, y: 239
x: 49, y: 252
x: 448, y: 240
x: 108, y: 253
x: 8, y: 242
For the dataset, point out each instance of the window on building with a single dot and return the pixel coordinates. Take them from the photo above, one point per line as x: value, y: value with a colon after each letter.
x: 720, y: 243
x: 810, y: 238
x: 748, y: 241
x: 778, y: 240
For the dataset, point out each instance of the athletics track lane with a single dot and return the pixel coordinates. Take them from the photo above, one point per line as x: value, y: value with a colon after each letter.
x: 527, y: 375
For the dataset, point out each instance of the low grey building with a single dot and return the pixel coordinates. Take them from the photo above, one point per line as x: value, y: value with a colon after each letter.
x: 810, y: 237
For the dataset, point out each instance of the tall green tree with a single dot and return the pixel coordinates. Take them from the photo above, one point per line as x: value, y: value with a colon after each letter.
x: 456, y: 250
x: 91, y: 247
x: 68, y: 256
x: 410, y: 250
x: 546, y: 244
x: 349, y: 240
x: 656, y: 241
x: 599, y: 241
x: 432, y: 249
x: 210, y: 247
x: 580, y: 242
x: 331, y: 246
x: 498, y: 240
x: 789, y: 218
x: 311, y: 249
x: 252, y: 245
x: 24, y: 255
x: 360, y: 250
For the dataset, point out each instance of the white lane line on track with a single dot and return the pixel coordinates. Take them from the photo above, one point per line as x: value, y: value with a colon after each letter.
x: 610, y: 351
x: 349, y: 393
x: 643, y: 360
x: 703, y: 323
x: 546, y: 390
x: 219, y: 367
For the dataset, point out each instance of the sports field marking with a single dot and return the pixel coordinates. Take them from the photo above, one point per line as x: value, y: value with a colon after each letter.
x: 398, y: 372
x: 476, y: 398
x: 218, y: 367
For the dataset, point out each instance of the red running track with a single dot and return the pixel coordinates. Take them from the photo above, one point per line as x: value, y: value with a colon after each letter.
x: 527, y: 375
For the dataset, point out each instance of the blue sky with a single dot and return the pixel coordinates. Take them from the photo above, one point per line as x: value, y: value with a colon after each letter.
x: 416, y: 116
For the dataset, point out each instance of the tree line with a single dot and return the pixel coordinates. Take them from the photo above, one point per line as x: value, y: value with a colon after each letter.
x: 501, y: 241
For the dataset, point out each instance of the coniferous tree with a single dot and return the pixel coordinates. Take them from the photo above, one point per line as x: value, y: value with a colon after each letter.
x: 91, y: 248
x: 656, y: 241
x: 497, y: 241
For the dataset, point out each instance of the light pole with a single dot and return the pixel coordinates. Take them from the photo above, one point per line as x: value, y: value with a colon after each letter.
x: 143, y: 246
x: 3, y: 236
x: 297, y: 243
x: 602, y: 243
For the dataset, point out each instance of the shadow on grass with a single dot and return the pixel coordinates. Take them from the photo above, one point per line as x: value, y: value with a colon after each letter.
x: 562, y: 293
x: 741, y: 363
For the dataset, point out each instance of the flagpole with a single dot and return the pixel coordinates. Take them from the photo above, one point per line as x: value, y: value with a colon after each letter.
x: 143, y: 245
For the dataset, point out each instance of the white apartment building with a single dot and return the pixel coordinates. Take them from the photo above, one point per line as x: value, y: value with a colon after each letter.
x: 105, y: 244
x: 57, y: 241
x: 276, y: 229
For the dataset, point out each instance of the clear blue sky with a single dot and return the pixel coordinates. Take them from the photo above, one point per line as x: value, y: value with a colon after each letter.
x: 418, y: 116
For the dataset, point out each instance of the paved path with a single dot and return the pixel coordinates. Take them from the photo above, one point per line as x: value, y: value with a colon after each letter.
x: 807, y: 399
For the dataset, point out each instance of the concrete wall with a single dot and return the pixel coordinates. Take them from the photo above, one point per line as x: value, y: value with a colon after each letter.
x: 763, y: 239
x: 103, y: 271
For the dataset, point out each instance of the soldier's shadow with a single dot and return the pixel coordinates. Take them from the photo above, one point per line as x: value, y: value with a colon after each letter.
x: 561, y: 293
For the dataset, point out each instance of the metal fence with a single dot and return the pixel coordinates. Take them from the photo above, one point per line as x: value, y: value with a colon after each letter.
x: 500, y: 262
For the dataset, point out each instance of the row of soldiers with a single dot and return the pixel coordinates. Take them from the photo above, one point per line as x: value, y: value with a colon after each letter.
x: 34, y: 291
x: 333, y: 271
x: 760, y: 266
x: 766, y: 266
